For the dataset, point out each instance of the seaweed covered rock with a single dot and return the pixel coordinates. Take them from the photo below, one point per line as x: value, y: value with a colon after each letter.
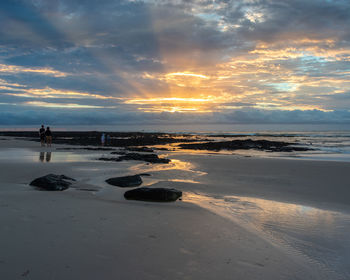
x: 141, y: 149
x: 153, y: 194
x: 125, y: 181
x: 246, y: 144
x: 52, y: 182
x: 151, y: 158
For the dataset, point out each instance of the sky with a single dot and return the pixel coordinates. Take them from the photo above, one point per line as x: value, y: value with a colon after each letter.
x: 200, y: 61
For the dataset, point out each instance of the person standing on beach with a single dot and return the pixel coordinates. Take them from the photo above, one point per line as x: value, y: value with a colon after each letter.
x: 48, y: 135
x: 103, y: 139
x: 42, y: 135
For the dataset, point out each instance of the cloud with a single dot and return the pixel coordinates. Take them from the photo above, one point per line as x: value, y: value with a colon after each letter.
x: 13, y: 69
x: 262, y: 61
x: 66, y: 115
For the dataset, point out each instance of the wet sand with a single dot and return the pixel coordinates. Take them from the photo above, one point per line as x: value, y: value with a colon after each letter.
x: 240, y: 218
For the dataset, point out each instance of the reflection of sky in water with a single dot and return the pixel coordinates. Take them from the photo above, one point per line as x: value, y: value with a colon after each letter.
x: 318, y: 235
x: 27, y: 155
x: 174, y: 164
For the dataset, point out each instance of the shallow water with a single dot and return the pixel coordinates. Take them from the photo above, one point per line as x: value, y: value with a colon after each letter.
x: 321, y: 237
x: 45, y: 156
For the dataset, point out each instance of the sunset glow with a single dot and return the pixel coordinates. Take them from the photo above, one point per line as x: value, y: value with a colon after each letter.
x: 187, y: 75
x: 184, y: 58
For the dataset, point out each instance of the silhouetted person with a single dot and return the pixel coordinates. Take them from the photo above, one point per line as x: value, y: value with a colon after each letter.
x: 48, y: 135
x: 42, y: 135
x: 103, y: 139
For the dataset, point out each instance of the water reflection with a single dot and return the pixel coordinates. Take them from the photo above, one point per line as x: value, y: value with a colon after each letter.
x: 28, y: 155
x: 320, y: 236
x: 174, y: 164
x: 48, y: 156
x: 42, y: 156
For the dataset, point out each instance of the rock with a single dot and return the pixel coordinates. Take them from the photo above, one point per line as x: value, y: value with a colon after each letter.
x: 118, y: 153
x: 246, y: 144
x: 294, y: 149
x: 88, y: 149
x: 153, y: 194
x: 52, y: 182
x: 152, y: 158
x: 125, y: 181
x: 108, y: 159
x: 117, y: 139
x: 141, y: 149
x: 162, y: 149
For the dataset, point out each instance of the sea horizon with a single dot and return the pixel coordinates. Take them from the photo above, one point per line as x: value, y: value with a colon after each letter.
x: 187, y: 128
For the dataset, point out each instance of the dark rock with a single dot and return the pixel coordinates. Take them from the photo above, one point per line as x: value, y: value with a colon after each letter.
x: 145, y: 174
x: 52, y: 182
x: 153, y: 194
x: 141, y: 149
x: 125, y: 181
x: 118, y: 153
x: 152, y: 158
x: 87, y: 189
x: 117, y: 139
x: 264, y: 145
x: 109, y: 159
x: 294, y: 149
x: 162, y: 149
x: 88, y: 149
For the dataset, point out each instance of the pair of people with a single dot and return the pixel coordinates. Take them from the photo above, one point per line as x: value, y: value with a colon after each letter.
x: 105, y: 139
x: 45, y: 135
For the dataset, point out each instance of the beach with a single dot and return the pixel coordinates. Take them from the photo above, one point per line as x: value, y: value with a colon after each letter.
x: 241, y: 217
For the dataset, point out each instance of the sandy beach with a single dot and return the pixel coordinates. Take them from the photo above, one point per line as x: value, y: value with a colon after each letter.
x: 240, y: 217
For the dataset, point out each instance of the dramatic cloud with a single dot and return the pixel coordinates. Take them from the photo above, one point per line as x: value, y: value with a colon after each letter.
x: 91, y: 62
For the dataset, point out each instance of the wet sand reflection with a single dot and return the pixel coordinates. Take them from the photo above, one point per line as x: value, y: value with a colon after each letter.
x: 320, y: 236
x: 46, y: 158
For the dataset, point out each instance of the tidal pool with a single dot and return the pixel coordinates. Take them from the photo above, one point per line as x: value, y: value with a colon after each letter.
x: 44, y: 156
x: 319, y: 236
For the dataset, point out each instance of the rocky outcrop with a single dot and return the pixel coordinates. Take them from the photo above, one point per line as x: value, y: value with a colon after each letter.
x: 52, y: 182
x: 125, y: 181
x: 153, y: 194
x: 152, y: 158
x: 265, y: 145
x: 88, y: 149
x: 117, y: 139
x: 140, y: 149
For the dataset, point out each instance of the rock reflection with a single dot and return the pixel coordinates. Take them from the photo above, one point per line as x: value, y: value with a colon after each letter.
x: 175, y: 164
